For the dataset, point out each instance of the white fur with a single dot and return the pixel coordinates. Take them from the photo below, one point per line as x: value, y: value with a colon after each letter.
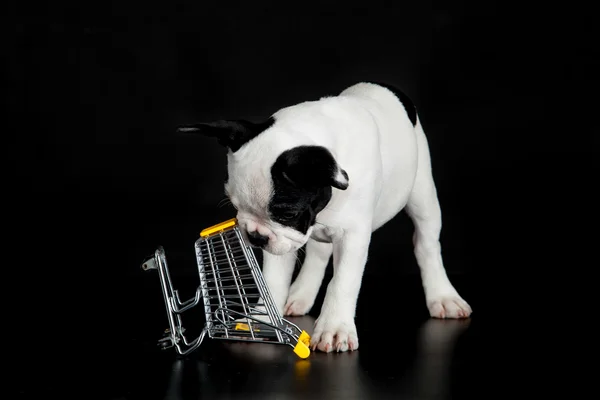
x: 387, y: 160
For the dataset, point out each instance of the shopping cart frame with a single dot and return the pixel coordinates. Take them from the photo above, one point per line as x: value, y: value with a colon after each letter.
x: 222, y: 255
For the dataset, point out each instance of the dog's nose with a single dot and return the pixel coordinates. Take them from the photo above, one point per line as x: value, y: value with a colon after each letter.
x: 258, y: 240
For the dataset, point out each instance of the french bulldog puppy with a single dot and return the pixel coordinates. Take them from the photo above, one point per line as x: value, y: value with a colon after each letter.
x: 325, y: 174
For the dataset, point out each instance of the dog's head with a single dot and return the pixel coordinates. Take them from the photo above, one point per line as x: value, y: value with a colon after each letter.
x: 277, y: 186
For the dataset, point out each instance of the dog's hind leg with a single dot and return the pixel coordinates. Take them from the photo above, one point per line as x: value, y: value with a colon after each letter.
x: 443, y: 301
x: 306, y: 286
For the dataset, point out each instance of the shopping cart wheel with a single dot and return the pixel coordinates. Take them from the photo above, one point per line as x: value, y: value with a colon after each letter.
x: 149, y: 264
x: 165, y: 343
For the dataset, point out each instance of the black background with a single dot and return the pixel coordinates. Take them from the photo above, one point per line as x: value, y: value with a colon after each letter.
x: 96, y: 177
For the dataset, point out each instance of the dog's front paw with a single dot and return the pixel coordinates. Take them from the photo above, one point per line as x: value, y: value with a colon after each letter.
x: 297, y: 307
x: 299, y: 302
x: 448, y: 307
x: 334, y: 334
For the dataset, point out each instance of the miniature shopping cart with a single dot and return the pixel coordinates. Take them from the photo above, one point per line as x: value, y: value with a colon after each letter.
x: 237, y: 302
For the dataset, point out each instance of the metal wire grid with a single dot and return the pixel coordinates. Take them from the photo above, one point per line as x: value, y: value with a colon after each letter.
x: 237, y: 302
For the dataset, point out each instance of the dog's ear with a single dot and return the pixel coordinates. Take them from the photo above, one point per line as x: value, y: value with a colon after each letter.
x: 310, y: 167
x: 229, y: 133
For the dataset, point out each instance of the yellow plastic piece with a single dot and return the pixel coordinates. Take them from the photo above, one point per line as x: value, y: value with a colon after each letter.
x: 240, y: 326
x: 301, y: 348
x: 218, y: 227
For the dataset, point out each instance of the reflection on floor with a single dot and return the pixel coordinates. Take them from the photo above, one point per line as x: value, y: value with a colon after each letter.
x: 253, y: 370
x: 113, y: 353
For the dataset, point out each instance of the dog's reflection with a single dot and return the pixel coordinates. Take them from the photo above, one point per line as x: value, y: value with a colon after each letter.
x: 430, y: 375
x: 252, y: 370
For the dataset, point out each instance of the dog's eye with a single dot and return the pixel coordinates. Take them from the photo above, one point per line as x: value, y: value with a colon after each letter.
x: 290, y: 214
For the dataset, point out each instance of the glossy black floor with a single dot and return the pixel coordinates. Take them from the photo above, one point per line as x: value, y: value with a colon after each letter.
x: 107, y: 349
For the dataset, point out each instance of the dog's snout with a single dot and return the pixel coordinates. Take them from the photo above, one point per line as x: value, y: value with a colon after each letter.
x: 258, y: 240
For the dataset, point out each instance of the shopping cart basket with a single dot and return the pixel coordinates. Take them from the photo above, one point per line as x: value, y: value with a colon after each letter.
x: 237, y: 302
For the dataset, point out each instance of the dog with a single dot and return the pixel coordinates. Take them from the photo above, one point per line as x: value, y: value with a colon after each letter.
x: 324, y: 175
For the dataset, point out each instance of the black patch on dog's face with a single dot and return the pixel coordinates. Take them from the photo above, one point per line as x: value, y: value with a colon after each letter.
x: 303, y: 178
x: 407, y: 103
x: 298, y: 208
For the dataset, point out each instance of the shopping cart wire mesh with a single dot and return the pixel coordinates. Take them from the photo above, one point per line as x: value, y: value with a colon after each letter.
x: 236, y: 299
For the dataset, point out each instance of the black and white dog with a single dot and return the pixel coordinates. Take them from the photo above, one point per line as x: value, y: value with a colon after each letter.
x: 326, y: 174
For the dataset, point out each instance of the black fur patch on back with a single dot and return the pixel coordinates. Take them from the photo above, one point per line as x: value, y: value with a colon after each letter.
x: 303, y: 178
x: 407, y: 103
